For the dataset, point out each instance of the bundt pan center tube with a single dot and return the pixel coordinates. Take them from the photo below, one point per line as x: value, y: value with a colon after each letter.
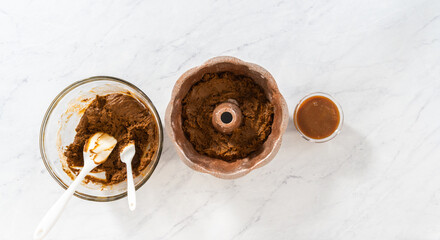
x: 228, y: 116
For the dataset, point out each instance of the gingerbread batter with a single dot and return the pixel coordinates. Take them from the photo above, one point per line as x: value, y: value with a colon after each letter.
x: 126, y: 119
x: 214, y: 89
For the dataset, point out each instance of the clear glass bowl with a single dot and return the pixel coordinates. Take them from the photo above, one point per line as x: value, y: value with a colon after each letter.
x: 58, y: 130
x: 341, y: 118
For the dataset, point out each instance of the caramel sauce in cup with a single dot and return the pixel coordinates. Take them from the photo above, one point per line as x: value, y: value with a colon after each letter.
x: 318, y: 117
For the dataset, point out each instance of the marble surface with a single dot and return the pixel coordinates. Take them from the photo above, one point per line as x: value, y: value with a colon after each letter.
x: 379, y: 179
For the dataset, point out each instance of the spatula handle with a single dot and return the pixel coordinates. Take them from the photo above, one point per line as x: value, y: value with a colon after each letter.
x: 55, y: 211
x: 130, y: 188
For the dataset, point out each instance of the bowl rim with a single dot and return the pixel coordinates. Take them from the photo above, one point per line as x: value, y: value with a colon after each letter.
x: 54, y: 104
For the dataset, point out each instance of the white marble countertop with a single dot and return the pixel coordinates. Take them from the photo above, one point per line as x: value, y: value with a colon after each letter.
x: 379, y: 179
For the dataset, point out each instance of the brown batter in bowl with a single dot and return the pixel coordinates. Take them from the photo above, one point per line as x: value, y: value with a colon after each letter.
x: 57, y: 133
x: 124, y: 118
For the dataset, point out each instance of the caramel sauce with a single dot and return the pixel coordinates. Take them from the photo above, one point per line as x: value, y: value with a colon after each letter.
x: 317, y: 117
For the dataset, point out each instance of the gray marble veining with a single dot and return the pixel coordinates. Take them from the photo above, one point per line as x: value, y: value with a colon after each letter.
x: 379, y: 179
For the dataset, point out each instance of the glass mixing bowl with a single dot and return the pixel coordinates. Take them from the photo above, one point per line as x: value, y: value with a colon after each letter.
x: 58, y: 130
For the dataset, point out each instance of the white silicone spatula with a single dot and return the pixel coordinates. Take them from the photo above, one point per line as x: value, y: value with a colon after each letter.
x: 96, y: 150
x: 126, y: 156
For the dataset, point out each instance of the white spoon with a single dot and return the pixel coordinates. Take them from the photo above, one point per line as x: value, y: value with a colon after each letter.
x: 96, y: 150
x: 126, y: 156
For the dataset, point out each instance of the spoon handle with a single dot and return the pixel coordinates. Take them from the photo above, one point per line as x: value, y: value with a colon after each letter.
x: 130, y: 188
x: 55, y: 211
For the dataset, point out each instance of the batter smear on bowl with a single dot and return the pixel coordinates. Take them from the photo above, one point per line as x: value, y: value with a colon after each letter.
x: 124, y: 118
x: 214, y: 89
